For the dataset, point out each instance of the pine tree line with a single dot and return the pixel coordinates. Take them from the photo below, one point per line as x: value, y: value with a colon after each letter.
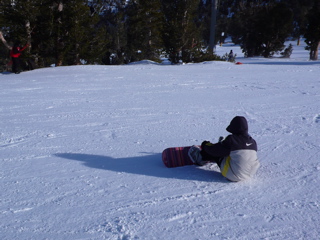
x: 122, y: 31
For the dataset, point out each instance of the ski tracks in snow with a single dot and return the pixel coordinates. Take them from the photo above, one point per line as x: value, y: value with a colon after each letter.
x: 74, y: 140
x: 126, y: 220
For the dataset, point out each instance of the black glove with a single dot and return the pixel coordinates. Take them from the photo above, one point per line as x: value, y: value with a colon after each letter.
x: 204, y: 143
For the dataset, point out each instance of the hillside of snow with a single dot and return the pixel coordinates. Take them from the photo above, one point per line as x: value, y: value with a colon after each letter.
x: 80, y: 150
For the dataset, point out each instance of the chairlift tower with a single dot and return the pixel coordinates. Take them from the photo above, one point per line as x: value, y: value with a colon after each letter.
x: 213, y: 25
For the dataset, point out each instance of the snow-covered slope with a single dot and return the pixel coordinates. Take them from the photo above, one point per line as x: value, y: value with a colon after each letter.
x: 80, y: 151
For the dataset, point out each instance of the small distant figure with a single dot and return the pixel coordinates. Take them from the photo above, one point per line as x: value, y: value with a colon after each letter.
x: 15, y: 54
x: 230, y: 56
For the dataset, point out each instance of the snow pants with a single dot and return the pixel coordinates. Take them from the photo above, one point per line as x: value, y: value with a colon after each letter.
x: 16, y: 65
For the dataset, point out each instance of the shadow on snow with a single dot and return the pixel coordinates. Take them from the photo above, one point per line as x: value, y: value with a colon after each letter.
x: 149, y: 165
x: 288, y: 63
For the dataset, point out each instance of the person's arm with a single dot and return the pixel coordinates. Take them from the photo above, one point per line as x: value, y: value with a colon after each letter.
x: 219, y: 149
x: 4, y: 41
x: 22, y: 49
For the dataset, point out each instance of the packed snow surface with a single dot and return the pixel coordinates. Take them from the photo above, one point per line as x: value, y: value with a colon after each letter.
x: 80, y: 150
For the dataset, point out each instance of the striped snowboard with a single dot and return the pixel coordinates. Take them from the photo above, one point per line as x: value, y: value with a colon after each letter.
x: 176, y: 157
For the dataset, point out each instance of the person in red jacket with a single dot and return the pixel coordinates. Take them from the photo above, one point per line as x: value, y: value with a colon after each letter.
x: 15, y: 54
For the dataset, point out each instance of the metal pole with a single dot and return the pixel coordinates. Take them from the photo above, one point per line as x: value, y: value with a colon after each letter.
x: 213, y: 24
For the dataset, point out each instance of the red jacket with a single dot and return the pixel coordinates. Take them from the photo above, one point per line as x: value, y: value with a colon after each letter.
x: 16, y: 51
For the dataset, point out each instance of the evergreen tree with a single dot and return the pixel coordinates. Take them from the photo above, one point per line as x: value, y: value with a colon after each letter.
x: 121, y: 31
x: 181, y: 36
x: 85, y: 39
x: 61, y: 32
x: 144, y: 29
x: 276, y: 25
x: 114, y: 19
x: 312, y: 33
x: 72, y: 28
x: 300, y: 8
x: 204, y: 17
x: 4, y: 46
x: 224, y: 16
x: 262, y: 28
x: 19, y: 20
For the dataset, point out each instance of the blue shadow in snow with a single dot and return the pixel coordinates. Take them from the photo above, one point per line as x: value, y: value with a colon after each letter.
x: 288, y: 63
x: 149, y: 165
x: 6, y: 73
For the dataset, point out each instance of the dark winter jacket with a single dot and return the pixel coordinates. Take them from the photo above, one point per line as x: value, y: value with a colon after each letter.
x: 239, y: 151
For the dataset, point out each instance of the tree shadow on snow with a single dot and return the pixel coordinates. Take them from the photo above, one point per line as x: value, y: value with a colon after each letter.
x: 149, y: 165
x: 293, y: 63
x: 6, y: 73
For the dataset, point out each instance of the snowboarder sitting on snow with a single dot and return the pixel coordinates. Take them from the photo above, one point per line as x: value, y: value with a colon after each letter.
x: 15, y: 54
x: 236, y: 155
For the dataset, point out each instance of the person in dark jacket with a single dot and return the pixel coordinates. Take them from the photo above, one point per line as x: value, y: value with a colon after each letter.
x: 230, y: 56
x: 15, y: 54
x: 236, y: 155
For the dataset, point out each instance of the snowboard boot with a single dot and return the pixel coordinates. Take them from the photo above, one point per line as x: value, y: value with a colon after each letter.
x: 195, y: 156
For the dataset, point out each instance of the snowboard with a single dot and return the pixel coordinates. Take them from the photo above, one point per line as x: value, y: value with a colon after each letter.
x: 176, y: 157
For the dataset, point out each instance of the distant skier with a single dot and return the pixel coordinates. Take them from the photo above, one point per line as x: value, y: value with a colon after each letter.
x: 15, y: 54
x: 236, y: 155
x: 230, y: 56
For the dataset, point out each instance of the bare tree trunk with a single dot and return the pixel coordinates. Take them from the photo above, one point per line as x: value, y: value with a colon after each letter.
x: 4, y: 41
x: 28, y: 29
x: 314, y: 52
x: 77, y: 57
x: 59, y: 42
